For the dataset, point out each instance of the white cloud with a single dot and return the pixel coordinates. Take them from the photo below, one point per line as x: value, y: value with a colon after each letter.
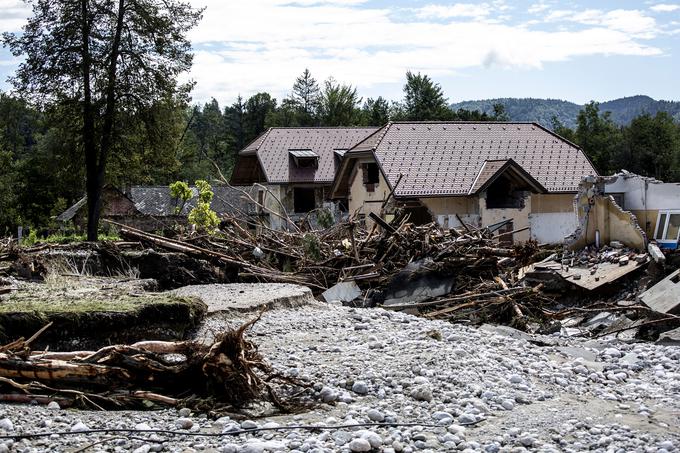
x: 538, y: 7
x: 455, y: 10
x: 13, y: 16
x: 265, y: 46
x: 665, y: 8
x: 633, y: 21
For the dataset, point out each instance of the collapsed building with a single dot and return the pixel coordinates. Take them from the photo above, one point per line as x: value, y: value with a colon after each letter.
x: 628, y: 208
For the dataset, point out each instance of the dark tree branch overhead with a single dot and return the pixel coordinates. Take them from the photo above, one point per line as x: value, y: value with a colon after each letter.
x: 75, y: 54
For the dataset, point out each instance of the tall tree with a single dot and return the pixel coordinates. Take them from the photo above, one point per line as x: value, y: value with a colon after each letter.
x: 339, y: 104
x: 234, y: 115
x: 376, y: 112
x: 651, y: 147
x: 305, y: 96
x: 105, y: 58
x: 599, y: 137
x: 257, y: 108
x: 424, y: 100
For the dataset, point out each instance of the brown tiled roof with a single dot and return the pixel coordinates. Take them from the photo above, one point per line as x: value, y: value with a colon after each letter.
x: 444, y: 158
x: 492, y: 169
x: 488, y: 170
x: 272, y: 149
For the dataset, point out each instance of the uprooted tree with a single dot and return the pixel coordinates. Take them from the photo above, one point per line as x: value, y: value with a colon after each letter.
x: 101, y: 60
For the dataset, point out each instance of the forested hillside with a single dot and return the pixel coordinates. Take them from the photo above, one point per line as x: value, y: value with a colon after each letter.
x: 543, y: 111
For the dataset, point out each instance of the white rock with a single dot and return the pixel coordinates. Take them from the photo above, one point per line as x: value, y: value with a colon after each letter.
x: 184, y: 412
x: 328, y: 395
x: 184, y: 423
x: 79, y: 427
x: 143, y: 449
x: 53, y: 406
x: 142, y: 427
x: 422, y: 393
x: 249, y: 424
x: 6, y: 424
x: 466, y: 419
x: 508, y: 405
x: 359, y: 445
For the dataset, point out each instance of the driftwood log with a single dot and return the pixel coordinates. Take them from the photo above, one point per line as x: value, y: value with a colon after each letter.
x: 226, y: 374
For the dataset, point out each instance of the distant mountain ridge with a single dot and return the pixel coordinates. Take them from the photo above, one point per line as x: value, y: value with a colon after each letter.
x: 542, y: 110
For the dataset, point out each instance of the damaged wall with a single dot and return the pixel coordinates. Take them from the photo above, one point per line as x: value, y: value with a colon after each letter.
x: 519, y: 216
x: 444, y: 210
x: 599, y: 214
x: 552, y: 217
x: 648, y: 199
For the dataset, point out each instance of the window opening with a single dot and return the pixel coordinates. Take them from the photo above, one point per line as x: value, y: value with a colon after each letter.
x: 304, y: 199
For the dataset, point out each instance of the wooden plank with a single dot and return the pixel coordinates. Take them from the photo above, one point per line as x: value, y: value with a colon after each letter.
x: 384, y: 225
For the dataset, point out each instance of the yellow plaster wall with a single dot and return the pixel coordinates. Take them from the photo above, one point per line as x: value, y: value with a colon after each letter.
x: 362, y: 201
x: 519, y: 216
x: 449, y: 205
x: 544, y: 203
x: 612, y: 223
x: 647, y: 220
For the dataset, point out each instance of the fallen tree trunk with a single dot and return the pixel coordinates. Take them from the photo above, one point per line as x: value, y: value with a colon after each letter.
x: 228, y: 373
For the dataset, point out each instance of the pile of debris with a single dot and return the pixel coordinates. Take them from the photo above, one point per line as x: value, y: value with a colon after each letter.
x: 220, y: 377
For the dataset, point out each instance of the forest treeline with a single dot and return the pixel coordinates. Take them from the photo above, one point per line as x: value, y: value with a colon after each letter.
x: 41, y: 159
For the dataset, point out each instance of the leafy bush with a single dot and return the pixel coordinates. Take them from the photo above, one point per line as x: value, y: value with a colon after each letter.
x: 202, y: 216
x: 181, y: 192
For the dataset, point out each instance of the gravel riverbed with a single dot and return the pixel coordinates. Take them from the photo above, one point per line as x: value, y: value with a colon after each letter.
x: 481, y: 389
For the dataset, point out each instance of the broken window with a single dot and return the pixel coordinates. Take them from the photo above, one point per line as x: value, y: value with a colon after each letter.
x: 370, y: 175
x: 503, y: 194
x: 304, y: 199
x: 260, y: 201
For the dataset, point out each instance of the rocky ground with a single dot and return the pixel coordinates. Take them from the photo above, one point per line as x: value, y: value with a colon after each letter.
x: 476, y: 389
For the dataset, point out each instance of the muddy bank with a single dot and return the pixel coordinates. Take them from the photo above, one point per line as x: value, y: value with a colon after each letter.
x: 89, y: 313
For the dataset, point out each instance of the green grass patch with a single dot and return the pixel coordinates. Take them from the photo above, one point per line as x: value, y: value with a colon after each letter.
x: 26, y: 303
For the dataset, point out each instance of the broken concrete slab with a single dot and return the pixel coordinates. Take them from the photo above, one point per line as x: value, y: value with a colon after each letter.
x: 664, y: 297
x: 417, y: 282
x: 670, y: 338
x: 343, y: 291
x: 248, y: 297
x: 656, y: 253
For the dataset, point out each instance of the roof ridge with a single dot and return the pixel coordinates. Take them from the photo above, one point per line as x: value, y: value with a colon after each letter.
x: 465, y: 122
x: 324, y: 127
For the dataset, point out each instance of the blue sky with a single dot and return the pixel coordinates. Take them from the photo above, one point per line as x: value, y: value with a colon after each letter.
x: 562, y: 49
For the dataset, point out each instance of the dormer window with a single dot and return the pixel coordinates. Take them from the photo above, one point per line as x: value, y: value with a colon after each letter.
x: 304, y: 158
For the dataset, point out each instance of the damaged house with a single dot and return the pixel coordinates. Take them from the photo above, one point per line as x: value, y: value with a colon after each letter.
x: 294, y: 168
x: 149, y: 208
x: 520, y: 175
x: 655, y: 204
x: 628, y: 208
